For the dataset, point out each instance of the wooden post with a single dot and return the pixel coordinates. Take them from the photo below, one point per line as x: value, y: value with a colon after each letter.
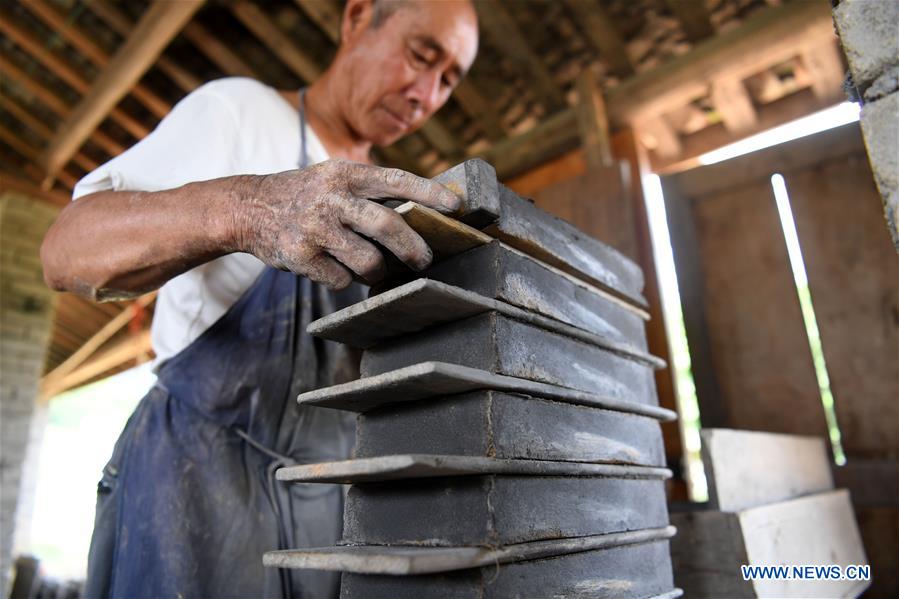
x: 626, y: 146
x: 593, y: 123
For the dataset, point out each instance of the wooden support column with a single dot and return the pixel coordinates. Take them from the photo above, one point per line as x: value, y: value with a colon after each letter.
x: 158, y: 26
x: 593, y: 123
x: 626, y: 146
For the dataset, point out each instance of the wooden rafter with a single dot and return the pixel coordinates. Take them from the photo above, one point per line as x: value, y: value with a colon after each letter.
x: 123, y: 26
x: 325, y: 14
x: 267, y: 32
x: 597, y: 25
x: 47, y: 97
x: 157, y: 27
x: 97, y: 55
x: 30, y: 153
x: 128, y: 349
x: 218, y: 52
x: 60, y: 68
x: 43, y: 131
x: 52, y: 380
x: 506, y: 35
x: 693, y: 17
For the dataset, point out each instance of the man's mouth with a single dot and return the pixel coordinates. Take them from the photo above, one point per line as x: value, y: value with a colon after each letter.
x: 400, y: 121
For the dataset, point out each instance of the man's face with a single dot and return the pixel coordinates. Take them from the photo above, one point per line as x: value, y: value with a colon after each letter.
x: 396, y: 75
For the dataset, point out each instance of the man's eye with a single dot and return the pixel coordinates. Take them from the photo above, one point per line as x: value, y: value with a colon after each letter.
x: 419, y: 58
x: 445, y: 82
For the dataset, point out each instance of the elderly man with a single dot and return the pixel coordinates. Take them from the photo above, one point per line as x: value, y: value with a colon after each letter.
x: 221, y: 206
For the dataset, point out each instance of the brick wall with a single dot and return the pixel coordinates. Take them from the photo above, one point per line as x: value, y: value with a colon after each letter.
x: 26, y: 314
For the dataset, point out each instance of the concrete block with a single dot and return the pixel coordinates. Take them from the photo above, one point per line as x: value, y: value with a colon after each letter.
x: 432, y: 381
x: 475, y: 182
x: 869, y: 32
x: 880, y: 126
x: 642, y: 570
x: 500, y: 345
x: 500, y: 272
x: 423, y: 303
x: 746, y: 469
x: 500, y: 425
x: 499, y: 510
x: 818, y: 530
x: 410, y: 466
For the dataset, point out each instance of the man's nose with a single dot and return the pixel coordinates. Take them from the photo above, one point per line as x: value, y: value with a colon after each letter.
x: 424, y: 93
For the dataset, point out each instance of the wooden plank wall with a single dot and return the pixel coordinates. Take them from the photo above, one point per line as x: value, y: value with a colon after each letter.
x: 750, y: 352
x: 853, y: 275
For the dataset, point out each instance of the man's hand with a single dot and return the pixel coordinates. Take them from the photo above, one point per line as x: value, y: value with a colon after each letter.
x: 314, y: 221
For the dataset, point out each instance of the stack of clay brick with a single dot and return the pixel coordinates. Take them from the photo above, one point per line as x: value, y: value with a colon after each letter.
x: 508, y: 440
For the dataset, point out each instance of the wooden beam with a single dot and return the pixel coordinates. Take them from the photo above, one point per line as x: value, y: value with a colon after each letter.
x: 763, y: 40
x: 123, y: 26
x: 49, y: 98
x: 768, y: 37
x: 825, y: 67
x: 657, y: 135
x: 693, y: 17
x: 53, y: 379
x: 36, y: 48
x: 126, y: 350
x: 597, y: 25
x: 325, y: 14
x: 97, y: 55
x: 732, y: 101
x: 711, y: 138
x: 54, y: 198
x: 217, y: 51
x: 273, y: 38
x: 157, y: 27
x: 593, y: 123
x: 555, y: 135
x: 505, y: 35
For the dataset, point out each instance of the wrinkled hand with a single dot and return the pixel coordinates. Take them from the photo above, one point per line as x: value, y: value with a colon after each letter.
x: 312, y: 221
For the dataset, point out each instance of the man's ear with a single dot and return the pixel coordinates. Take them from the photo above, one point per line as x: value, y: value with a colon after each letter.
x: 356, y: 18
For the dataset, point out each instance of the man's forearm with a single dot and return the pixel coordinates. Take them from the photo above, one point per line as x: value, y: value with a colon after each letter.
x: 116, y: 244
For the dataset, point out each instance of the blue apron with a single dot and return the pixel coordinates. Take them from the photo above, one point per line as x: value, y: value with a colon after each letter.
x: 188, y: 504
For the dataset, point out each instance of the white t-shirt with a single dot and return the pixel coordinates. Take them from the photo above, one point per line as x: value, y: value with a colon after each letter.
x: 233, y: 126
